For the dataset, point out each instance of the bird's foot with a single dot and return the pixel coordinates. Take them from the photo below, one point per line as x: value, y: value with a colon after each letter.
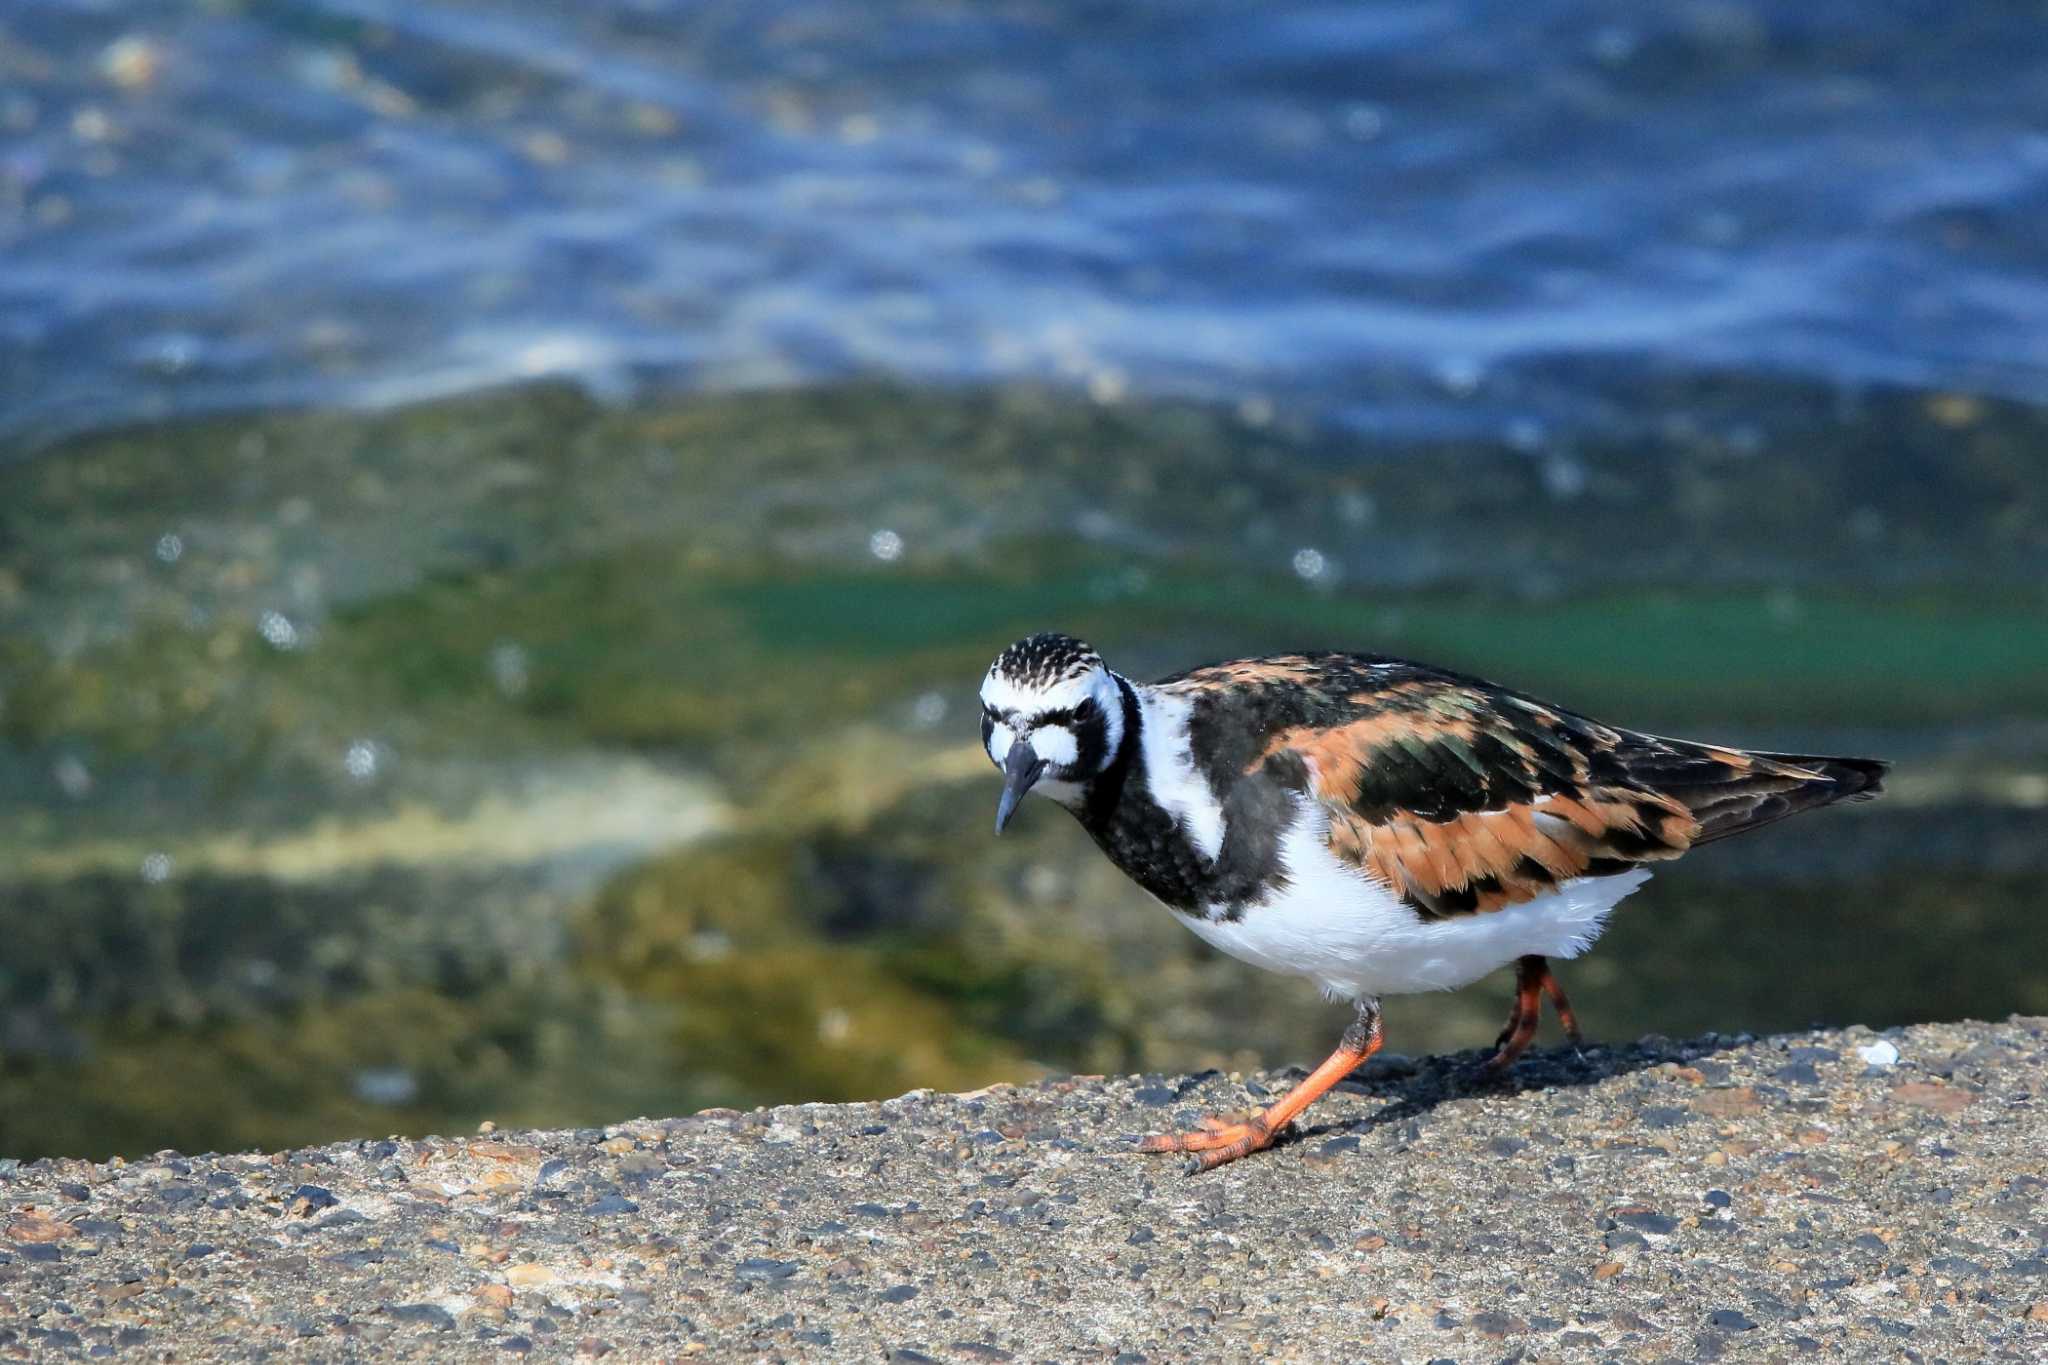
x: 1215, y: 1141
x: 1218, y: 1141
x: 1494, y: 1069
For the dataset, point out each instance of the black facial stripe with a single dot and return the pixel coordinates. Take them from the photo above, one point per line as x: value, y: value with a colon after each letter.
x: 1091, y: 739
x: 1069, y: 716
x: 1089, y: 729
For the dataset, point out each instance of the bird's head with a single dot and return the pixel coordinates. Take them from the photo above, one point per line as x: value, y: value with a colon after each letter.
x: 1052, y: 717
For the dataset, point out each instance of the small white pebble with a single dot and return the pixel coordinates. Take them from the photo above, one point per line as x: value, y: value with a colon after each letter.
x: 277, y: 630
x: 361, y: 760
x: 1310, y: 564
x: 1879, y: 1053
x: 886, y: 546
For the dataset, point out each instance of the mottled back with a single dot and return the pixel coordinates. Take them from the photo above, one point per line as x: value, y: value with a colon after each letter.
x: 1463, y: 797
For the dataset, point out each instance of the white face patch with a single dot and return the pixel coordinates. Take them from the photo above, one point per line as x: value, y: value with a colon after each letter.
x: 1055, y: 744
x: 1000, y: 738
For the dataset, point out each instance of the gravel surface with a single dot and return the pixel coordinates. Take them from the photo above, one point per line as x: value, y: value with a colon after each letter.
x: 1827, y: 1196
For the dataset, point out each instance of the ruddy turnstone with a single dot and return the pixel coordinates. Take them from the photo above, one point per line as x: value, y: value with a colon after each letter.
x: 1377, y: 826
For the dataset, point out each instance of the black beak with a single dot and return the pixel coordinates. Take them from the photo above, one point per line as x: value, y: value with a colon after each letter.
x: 1021, y: 769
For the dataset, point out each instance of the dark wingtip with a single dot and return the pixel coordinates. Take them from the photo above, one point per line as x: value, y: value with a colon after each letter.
x: 1856, y: 779
x: 1825, y: 780
x: 1848, y: 779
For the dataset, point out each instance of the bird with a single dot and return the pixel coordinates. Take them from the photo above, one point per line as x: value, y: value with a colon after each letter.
x: 1377, y: 826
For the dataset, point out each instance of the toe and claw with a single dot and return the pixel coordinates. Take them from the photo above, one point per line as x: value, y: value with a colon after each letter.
x: 1214, y: 1142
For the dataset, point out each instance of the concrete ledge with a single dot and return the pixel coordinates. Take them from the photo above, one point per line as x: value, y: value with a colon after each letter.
x: 1783, y: 1197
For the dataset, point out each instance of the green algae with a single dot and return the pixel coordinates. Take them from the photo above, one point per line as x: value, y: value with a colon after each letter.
x: 763, y: 1001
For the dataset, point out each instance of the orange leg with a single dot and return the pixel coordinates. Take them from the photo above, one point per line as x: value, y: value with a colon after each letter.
x: 1523, y: 1016
x: 1565, y: 1017
x: 1533, y: 981
x: 1218, y: 1141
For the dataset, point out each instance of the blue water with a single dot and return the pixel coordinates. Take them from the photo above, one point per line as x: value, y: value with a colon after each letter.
x: 1400, y: 215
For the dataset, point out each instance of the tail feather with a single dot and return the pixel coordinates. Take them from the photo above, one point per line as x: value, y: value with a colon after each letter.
x: 1778, y: 785
x: 1729, y: 791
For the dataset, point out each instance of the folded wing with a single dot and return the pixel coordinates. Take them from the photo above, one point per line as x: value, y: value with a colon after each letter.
x: 1462, y: 797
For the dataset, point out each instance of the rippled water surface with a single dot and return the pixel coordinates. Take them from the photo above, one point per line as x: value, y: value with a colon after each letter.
x: 503, y: 508
x: 1409, y: 215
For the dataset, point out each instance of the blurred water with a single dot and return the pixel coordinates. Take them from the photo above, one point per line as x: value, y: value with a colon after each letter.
x: 1412, y: 216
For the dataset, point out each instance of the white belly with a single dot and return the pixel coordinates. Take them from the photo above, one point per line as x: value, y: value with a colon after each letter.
x: 1349, y: 935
